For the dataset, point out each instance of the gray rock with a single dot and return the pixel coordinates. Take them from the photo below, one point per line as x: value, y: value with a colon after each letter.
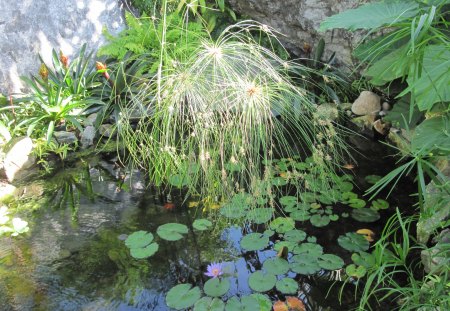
x: 367, y: 103
x: 31, y: 27
x: 64, y: 137
x: 88, y: 136
x: 7, y: 192
x: 433, y: 259
x: 19, y: 159
x: 90, y: 120
x: 107, y: 130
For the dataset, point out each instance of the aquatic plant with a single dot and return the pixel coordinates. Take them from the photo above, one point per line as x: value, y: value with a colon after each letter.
x: 214, y: 270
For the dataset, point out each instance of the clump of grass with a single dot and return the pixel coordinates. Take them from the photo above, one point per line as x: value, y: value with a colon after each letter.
x: 219, y: 116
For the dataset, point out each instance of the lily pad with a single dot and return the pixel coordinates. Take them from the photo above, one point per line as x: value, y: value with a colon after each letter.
x: 216, y: 287
x: 363, y: 259
x: 279, y: 245
x: 282, y: 224
x: 276, y: 266
x: 144, y: 252
x: 139, y: 239
x: 319, y: 221
x: 355, y: 271
x: 247, y: 303
x: 333, y: 217
x: 287, y: 286
x: 261, y: 282
x: 279, y: 181
x: 300, y: 215
x: 308, y: 197
x: 264, y: 302
x: 209, y: 304
x: 260, y: 215
x: 178, y: 180
x: 345, y: 186
x: 365, y: 215
x: 182, y: 296
x: 172, y: 231
x: 311, y: 239
x: 353, y: 242
x: 234, y: 210
x: 347, y: 196
x: 202, y: 224
x: 330, y: 262
x: 356, y: 203
x: 304, y: 264
x: 254, y: 241
x: 379, y: 204
x: 288, y: 200
x: 295, y: 235
x: 311, y: 249
x: 325, y: 199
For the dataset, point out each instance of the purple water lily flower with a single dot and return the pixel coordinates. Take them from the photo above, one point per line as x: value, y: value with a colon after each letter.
x: 214, y: 270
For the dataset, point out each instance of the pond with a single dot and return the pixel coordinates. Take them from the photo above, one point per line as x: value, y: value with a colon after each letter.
x: 74, y: 256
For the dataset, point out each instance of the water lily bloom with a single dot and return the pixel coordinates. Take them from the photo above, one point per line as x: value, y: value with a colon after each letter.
x: 214, y: 270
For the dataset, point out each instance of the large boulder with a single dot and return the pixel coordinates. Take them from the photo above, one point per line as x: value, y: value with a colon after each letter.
x: 19, y: 159
x: 368, y: 103
x: 31, y: 27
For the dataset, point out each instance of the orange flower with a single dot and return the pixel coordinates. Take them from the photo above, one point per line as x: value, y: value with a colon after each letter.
x: 64, y: 59
x: 43, y: 71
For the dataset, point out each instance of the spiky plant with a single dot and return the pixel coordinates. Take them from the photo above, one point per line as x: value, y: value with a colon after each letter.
x: 218, y: 117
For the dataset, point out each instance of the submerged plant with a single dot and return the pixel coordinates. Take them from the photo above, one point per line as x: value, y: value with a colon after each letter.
x: 223, y: 113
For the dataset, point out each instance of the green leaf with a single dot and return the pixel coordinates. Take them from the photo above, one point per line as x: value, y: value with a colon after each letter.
x: 365, y: 215
x: 345, y: 186
x: 294, y: 236
x: 356, y: 203
x: 288, y: 200
x: 364, y: 259
x: 304, y: 264
x: 172, y: 231
x: 399, y: 115
x: 254, y: 241
x: 287, y: 286
x: 282, y: 224
x: 347, y: 196
x: 372, y: 15
x: 276, y: 266
x: 379, y: 204
x: 234, y: 210
x: 353, y: 242
x: 178, y: 180
x: 432, y: 135
x: 319, y: 220
x: 390, y: 67
x: 279, y: 181
x: 260, y: 215
x: 209, y: 304
x: 356, y: 272
x: 19, y: 226
x: 182, y: 296
x: 216, y: 287
x: 372, y: 179
x: 264, y: 302
x: 261, y: 282
x: 247, y: 303
x: 311, y: 249
x: 300, y: 215
x: 139, y: 239
x: 202, y: 224
x: 333, y: 217
x: 330, y: 262
x: 144, y: 252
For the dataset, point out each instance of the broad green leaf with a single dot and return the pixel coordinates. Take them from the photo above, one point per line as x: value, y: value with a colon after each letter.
x: 355, y: 271
x: 254, y: 241
x: 356, y: 203
x: 288, y: 200
x: 264, y: 302
x: 311, y: 249
x: 379, y: 204
x: 364, y: 259
x: 144, y: 252
x: 282, y: 224
x: 209, y: 304
x: 372, y: 15
x: 202, y: 224
x: 182, y: 296
x: 304, y: 264
x: 365, y: 215
x: 295, y: 236
x: 287, y: 286
x: 260, y: 215
x: 216, y: 287
x: 276, y: 266
x: 234, y: 210
x: 330, y: 262
x: 279, y: 181
x: 178, y: 180
x: 319, y: 220
x: 139, y: 239
x: 300, y: 215
x: 432, y: 135
x: 353, y: 242
x: 172, y: 231
x: 390, y: 67
x: 261, y: 282
x: 247, y: 303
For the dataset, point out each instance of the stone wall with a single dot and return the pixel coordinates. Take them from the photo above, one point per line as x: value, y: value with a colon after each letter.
x: 299, y: 21
x: 29, y: 27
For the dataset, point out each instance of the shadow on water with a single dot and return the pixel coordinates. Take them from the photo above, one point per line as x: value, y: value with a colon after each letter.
x: 74, y: 257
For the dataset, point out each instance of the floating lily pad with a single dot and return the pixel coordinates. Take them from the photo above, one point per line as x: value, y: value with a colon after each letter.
x: 319, y: 221
x: 216, y: 287
x: 355, y: 271
x: 304, y: 264
x: 254, y: 241
x: 300, y: 215
x: 353, y: 242
x: 356, y: 203
x: 260, y: 215
x: 247, y: 303
x: 345, y: 186
x: 264, y: 302
x: 363, y: 259
x: 261, y: 201
x: 139, y: 239
x: 345, y: 215
x: 372, y: 179
x: 325, y: 199
x: 268, y: 233
x: 209, y: 304
x: 308, y: 197
x: 172, y: 231
x: 182, y: 296
x: 302, y: 166
x: 295, y: 235
x: 311, y: 239
x: 279, y: 181
x: 311, y: 249
x: 234, y: 210
x: 261, y: 282
x: 202, y: 224
x: 315, y: 206
x: 144, y: 252
x: 287, y: 286
x: 347, y: 196
x: 365, y: 215
x: 276, y: 266
x: 178, y: 180
x: 330, y: 262
x: 288, y: 200
x: 379, y: 204
x: 333, y: 217
x: 279, y: 245
x: 282, y: 224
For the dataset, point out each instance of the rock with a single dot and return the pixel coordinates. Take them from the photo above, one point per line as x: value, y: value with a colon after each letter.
x: 19, y: 159
x: 30, y: 191
x: 26, y: 31
x: 328, y: 110
x: 381, y: 127
x: 90, y: 120
x: 433, y: 259
x: 386, y: 106
x: 63, y: 137
x: 364, y: 124
x: 87, y: 137
x: 367, y: 103
x: 107, y: 130
x: 7, y: 192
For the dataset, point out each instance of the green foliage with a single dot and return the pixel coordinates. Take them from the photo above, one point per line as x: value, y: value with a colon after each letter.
x: 353, y: 242
x: 209, y: 304
x: 330, y: 262
x: 202, y: 224
x: 365, y: 215
x: 216, y: 287
x: 287, y: 286
x: 261, y: 282
x: 182, y: 296
x: 140, y: 244
x: 254, y: 241
x: 172, y: 231
x: 276, y: 266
